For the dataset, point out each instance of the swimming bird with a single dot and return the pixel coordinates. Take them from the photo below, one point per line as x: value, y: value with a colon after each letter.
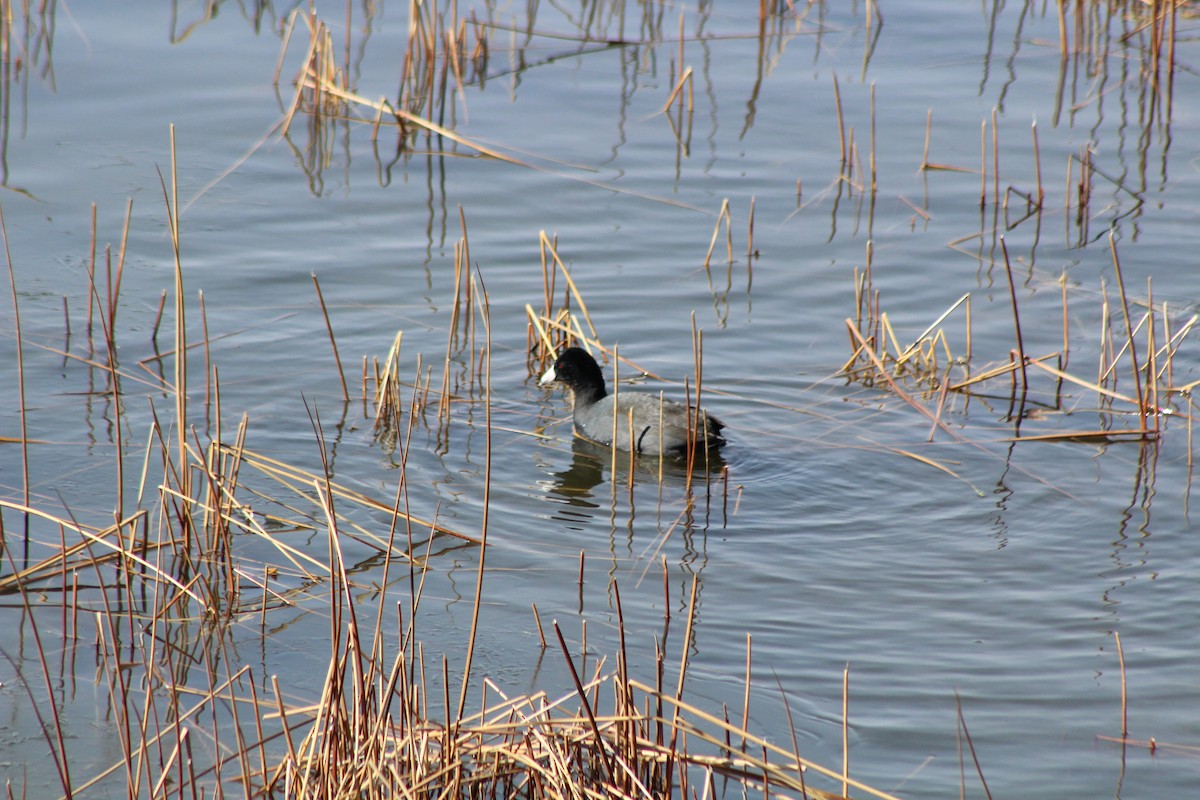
x: 644, y: 423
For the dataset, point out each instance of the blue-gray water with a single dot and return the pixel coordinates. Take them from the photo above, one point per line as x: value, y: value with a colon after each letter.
x: 999, y: 579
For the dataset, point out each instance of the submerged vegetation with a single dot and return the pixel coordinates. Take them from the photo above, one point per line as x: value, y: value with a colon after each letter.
x: 211, y: 541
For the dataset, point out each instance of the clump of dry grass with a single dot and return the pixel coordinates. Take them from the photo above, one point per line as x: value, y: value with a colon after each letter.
x: 376, y: 728
x: 1135, y: 348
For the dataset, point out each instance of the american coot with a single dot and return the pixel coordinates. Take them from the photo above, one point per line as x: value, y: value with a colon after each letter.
x: 645, y: 423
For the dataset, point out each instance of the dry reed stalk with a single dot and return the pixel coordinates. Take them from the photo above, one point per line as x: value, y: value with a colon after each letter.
x: 117, y: 548
x: 1037, y: 166
x: 484, y: 313
x: 56, y: 743
x: 332, y: 341
x: 93, y: 301
x: 297, y: 479
x: 1151, y: 397
x: 722, y: 216
x: 684, y: 80
x: 1143, y: 411
x: 995, y: 159
x: 1124, y: 686
x: 462, y: 294
x: 746, y: 693
x: 538, y: 621
x: 180, y: 387
x: 928, y: 129
x: 1172, y: 344
x: 786, y: 776
x: 12, y: 284
x: 891, y: 382
x: 750, y: 252
x: 388, y: 402
x: 983, y: 164
x: 1020, y: 339
x: 846, y: 731
x: 530, y: 740
x: 874, y: 182
x: 962, y: 722
x: 1062, y: 28
x: 837, y: 103
x: 551, y: 248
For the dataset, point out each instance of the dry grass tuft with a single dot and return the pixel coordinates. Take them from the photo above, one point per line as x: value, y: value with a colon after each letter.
x: 1136, y: 348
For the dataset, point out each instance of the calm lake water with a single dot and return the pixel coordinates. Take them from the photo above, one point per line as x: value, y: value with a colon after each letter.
x: 968, y: 572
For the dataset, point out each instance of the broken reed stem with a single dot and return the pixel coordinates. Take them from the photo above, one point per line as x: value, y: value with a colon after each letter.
x: 1137, y: 375
x: 1012, y: 292
x: 928, y: 129
x: 722, y: 216
x: 537, y: 619
x: 750, y: 237
x: 685, y: 79
x: 983, y: 164
x: 332, y: 341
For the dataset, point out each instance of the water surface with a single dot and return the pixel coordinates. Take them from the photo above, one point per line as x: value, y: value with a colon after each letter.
x: 994, y: 583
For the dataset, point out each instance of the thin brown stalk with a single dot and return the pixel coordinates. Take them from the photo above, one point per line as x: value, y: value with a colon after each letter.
x: 538, y: 621
x: 962, y: 722
x: 171, y: 199
x: 995, y: 159
x: 684, y: 80
x: 553, y: 250
x: 1137, y: 375
x: 12, y: 283
x: 207, y: 355
x: 746, y: 692
x: 837, y: 102
x: 872, y: 157
x: 56, y: 743
x: 722, y: 216
x: 680, y: 707
x: 750, y: 235
x: 1124, y: 686
x: 332, y: 341
x: 609, y: 766
x: 92, y: 293
x: 1012, y: 292
x: 983, y: 164
x: 615, y: 419
x: 846, y: 731
x: 1037, y: 167
x: 484, y: 311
